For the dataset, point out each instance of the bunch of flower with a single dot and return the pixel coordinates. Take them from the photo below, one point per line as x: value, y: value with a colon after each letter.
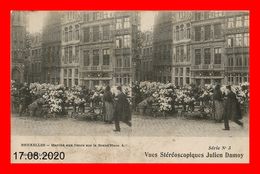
x: 164, y: 96
x: 55, y: 97
x: 38, y: 90
x: 206, y: 92
x: 74, y: 96
x: 97, y: 94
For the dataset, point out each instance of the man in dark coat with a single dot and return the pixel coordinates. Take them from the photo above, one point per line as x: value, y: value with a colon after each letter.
x: 122, y: 110
x: 232, y: 109
x: 25, y: 99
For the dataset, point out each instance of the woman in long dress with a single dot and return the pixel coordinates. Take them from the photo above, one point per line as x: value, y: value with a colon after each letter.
x: 109, y: 105
x: 218, y: 103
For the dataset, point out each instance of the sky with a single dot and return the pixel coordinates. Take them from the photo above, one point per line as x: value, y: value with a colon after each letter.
x: 36, y: 19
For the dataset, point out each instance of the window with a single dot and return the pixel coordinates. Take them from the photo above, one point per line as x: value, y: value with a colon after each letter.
x: 238, y: 60
x: 230, y: 41
x: 197, y: 33
x: 176, y: 71
x: 230, y: 23
x: 181, y: 71
x: 126, y: 22
x: 70, y: 33
x: 197, y: 16
x: 206, y: 15
x: 105, y: 15
x: 181, y: 32
x: 66, y: 55
x: 217, y: 31
x: 86, y: 60
x: 95, y: 57
x: 66, y: 34
x: 187, y: 71
x: 106, y: 31
x: 127, y: 62
x: 197, y: 57
x: 127, y: 41
x: 245, y: 60
x: 207, y: 32
x: 177, y: 54
x: 96, y: 16
x: 70, y: 54
x: 217, y: 56
x: 77, y: 32
x: 246, y: 39
x: 119, y: 42
x: 70, y: 72
x: 188, y: 31
x: 177, y: 33
x: 77, y: 53
x: 65, y: 73
x: 238, y: 40
x: 86, y: 17
x: 106, y: 57
x: 246, y: 21
x: 238, y: 21
x: 76, y: 73
x: 207, y: 56
x: 119, y: 62
x: 118, y: 24
x: 86, y: 34
x: 76, y: 82
x: 95, y: 33
x: 182, y: 53
x: 230, y: 61
x: 188, y: 53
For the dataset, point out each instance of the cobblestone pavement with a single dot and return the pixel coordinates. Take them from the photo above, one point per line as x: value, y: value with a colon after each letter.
x: 142, y: 126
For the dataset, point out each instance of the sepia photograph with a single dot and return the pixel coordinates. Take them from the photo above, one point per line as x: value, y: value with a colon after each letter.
x: 154, y: 86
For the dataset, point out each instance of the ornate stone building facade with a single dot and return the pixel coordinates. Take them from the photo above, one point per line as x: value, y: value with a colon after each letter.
x: 70, y: 47
x: 19, y: 23
x: 181, y: 47
x: 236, y: 47
x: 207, y: 47
x: 107, y: 48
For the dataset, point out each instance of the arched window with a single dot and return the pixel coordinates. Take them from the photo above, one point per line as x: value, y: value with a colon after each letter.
x: 70, y: 33
x: 177, y: 33
x: 66, y: 34
x: 181, y: 32
x: 77, y: 32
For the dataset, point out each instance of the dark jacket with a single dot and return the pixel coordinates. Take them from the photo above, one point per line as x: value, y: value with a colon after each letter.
x: 122, y: 108
x: 217, y: 95
x: 108, y: 97
x: 232, y: 107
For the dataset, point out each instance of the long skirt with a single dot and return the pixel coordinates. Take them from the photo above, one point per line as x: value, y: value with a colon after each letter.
x: 219, y: 110
x: 109, y: 111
